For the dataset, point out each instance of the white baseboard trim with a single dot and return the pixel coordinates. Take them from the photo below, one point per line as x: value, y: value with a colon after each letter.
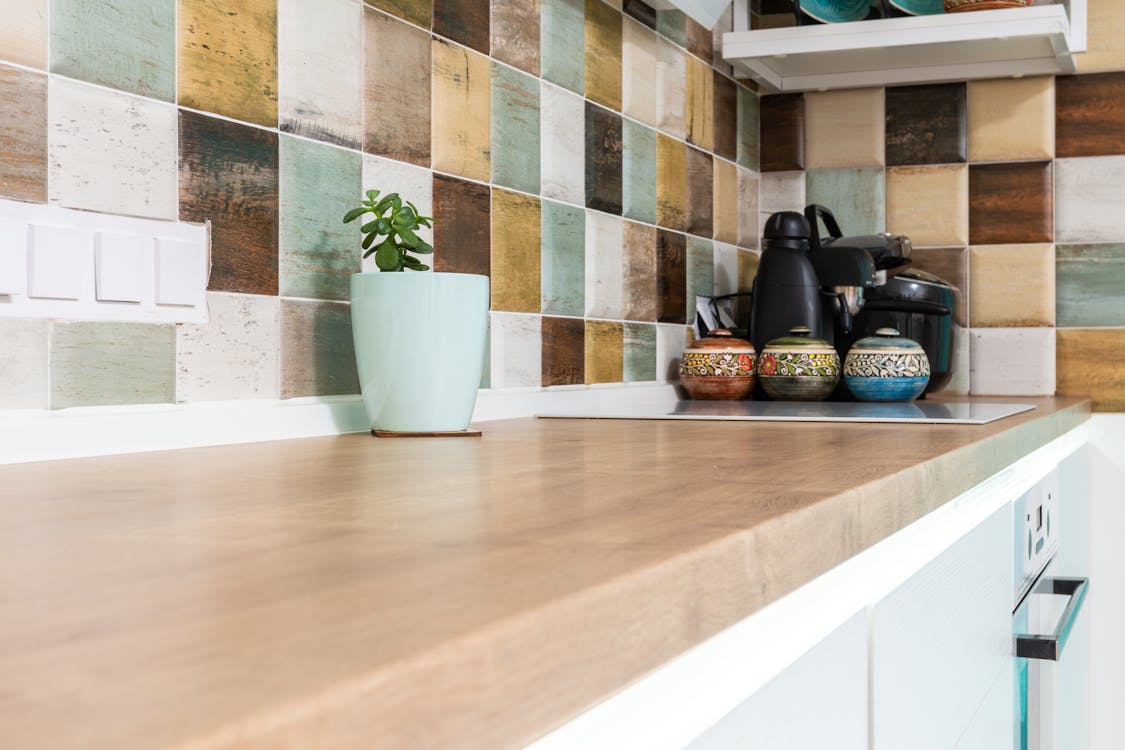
x: 106, y: 430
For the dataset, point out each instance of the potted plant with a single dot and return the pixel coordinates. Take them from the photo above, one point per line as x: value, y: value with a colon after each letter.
x: 419, y: 337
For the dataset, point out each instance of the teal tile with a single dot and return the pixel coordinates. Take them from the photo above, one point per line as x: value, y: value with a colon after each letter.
x: 318, y: 252
x: 748, y: 126
x: 700, y: 272
x: 672, y: 24
x: 124, y: 44
x: 1089, y: 280
x: 562, y: 35
x: 857, y: 197
x: 98, y: 364
x: 639, y: 172
x: 563, y: 262
x: 515, y: 129
x: 640, y: 352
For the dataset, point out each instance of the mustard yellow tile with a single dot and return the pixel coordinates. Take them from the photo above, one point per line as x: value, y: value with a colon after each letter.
x: 461, y: 142
x: 23, y: 33
x: 844, y: 129
x: 1104, y: 47
x: 228, y: 58
x: 1091, y: 362
x: 725, y: 197
x: 603, y: 54
x: 604, y: 351
x: 1014, y: 286
x: 1012, y: 119
x: 929, y: 204
x: 515, y: 252
x: 700, y: 103
x: 671, y: 183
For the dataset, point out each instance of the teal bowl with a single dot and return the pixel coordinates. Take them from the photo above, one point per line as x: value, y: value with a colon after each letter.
x: 837, y: 11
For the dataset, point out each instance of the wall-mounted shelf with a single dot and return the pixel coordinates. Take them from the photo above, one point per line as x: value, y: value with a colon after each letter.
x: 1039, y: 40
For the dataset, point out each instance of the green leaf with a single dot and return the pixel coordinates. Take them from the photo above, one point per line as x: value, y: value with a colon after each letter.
x: 424, y: 222
x: 396, y: 201
x: 367, y: 240
x: 371, y: 226
x: 354, y: 214
x: 383, y: 226
x: 408, y: 237
x: 423, y: 248
x: 388, y: 200
x: 372, y: 195
x: 387, y: 256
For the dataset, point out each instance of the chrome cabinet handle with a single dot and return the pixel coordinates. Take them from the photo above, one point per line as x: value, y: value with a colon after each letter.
x: 1050, y: 646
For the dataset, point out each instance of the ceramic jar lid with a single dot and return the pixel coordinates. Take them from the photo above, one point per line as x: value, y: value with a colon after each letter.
x: 887, y: 340
x: 799, y: 338
x: 721, y: 340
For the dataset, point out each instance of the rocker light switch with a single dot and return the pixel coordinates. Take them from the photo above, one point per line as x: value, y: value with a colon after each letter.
x: 179, y: 272
x: 56, y: 261
x: 120, y: 266
x: 13, y: 257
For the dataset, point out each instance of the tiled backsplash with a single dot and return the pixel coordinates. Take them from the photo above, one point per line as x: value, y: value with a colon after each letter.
x: 600, y: 166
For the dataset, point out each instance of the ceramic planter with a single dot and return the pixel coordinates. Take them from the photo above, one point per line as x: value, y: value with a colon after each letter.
x: 886, y: 367
x: 719, y: 367
x: 799, y: 367
x: 419, y: 348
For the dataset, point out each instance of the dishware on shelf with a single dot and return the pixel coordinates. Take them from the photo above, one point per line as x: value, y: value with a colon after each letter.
x: 831, y: 11
x: 960, y: 6
x: 718, y: 367
x: 798, y: 367
x: 917, y: 7
x: 886, y: 367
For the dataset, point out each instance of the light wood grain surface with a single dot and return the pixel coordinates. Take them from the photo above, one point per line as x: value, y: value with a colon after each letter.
x: 354, y: 593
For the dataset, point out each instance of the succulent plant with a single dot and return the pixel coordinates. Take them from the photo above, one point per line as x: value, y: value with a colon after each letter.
x: 396, y: 220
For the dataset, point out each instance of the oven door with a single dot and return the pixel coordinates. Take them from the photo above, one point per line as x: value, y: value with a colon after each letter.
x: 1051, y: 647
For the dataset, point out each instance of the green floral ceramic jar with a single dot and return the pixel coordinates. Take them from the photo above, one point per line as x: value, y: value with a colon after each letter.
x: 799, y: 367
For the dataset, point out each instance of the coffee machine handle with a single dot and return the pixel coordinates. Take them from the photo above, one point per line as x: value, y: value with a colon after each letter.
x: 814, y: 212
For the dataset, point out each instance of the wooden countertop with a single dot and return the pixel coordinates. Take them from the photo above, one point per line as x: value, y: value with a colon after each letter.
x: 352, y: 592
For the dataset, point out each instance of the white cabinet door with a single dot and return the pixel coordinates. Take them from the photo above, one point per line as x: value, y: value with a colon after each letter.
x: 819, y: 702
x: 939, y: 640
x: 993, y: 725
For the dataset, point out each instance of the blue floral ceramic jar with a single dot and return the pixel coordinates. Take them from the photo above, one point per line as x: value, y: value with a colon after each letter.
x: 886, y: 367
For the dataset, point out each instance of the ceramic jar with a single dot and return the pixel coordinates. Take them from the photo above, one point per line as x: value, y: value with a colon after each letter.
x: 886, y: 367
x: 799, y: 367
x: 718, y: 367
x: 958, y: 6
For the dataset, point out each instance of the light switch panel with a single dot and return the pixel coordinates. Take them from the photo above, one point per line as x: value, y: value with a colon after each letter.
x: 56, y: 261
x: 179, y: 272
x: 13, y: 257
x: 120, y: 266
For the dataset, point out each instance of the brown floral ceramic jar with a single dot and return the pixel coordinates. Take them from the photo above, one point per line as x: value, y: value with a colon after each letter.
x: 719, y: 367
x: 799, y: 367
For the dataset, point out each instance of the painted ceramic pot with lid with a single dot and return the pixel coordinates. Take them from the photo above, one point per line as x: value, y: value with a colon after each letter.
x: 886, y: 367
x: 960, y: 6
x: 718, y: 367
x: 799, y: 367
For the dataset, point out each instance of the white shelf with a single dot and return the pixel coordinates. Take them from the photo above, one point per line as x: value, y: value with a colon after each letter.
x: 1039, y: 40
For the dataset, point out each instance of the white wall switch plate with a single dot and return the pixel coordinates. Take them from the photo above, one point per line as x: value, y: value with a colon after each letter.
x: 13, y: 257
x: 55, y: 264
x: 119, y: 266
x: 179, y: 272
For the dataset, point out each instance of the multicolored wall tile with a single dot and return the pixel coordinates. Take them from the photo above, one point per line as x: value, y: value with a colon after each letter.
x: 462, y: 236
x: 603, y: 54
x: 515, y: 129
x: 563, y: 351
x: 604, y: 351
x: 515, y: 252
x: 396, y: 89
x: 563, y: 262
x: 101, y: 364
x: 462, y: 138
x: 515, y: 34
x: 562, y: 34
x: 235, y: 355
x: 23, y: 363
x: 23, y: 35
x: 23, y: 134
x: 317, y: 354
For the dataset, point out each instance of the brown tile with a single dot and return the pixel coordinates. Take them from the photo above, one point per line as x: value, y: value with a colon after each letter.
x: 782, y: 139
x: 640, y: 271
x: 229, y: 176
x: 415, y: 11
x: 317, y: 352
x: 1015, y: 285
x: 1090, y: 112
x: 605, y: 342
x: 1011, y: 203
x: 23, y: 135
x: 1104, y: 50
x: 700, y: 104
x: 725, y: 202
x: 699, y: 40
x: 228, y: 58
x: 725, y: 118
x: 700, y: 183
x: 641, y: 11
x: 396, y: 90
x: 926, y: 124
x: 1091, y: 362
x: 564, y: 351
x: 515, y: 33
x: 461, y: 226
x: 603, y: 54
x: 603, y: 159
x: 515, y: 252
x: 463, y: 21
x: 951, y: 264
x: 461, y: 143
x: 671, y: 183
x: 671, y: 277
x: 1012, y: 119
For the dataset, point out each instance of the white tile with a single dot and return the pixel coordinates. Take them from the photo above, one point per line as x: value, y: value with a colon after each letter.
x: 180, y: 277
x: 119, y: 266
x: 562, y: 144
x: 638, y: 74
x: 962, y: 362
x: 671, y: 340
x: 111, y: 152
x: 671, y: 88
x: 23, y: 363
x: 235, y: 355
x: 321, y: 91
x: 516, y: 357
x: 1089, y: 194
x: 748, y: 202
x: 726, y: 268
x: 605, y: 266
x: 13, y: 256
x: 782, y: 191
x: 1012, y: 362
x: 406, y: 179
x: 56, y: 261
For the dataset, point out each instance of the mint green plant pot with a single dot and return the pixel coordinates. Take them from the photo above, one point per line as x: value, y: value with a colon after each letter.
x: 419, y: 348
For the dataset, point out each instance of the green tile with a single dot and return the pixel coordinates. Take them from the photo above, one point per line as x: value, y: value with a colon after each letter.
x: 673, y: 25
x: 1089, y: 280
x: 747, y: 128
x: 640, y: 352
x: 857, y: 197
x: 124, y: 44
x: 563, y: 263
x: 562, y: 35
x: 97, y: 364
x: 700, y: 272
x: 515, y: 129
x: 639, y: 172
x: 318, y: 252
